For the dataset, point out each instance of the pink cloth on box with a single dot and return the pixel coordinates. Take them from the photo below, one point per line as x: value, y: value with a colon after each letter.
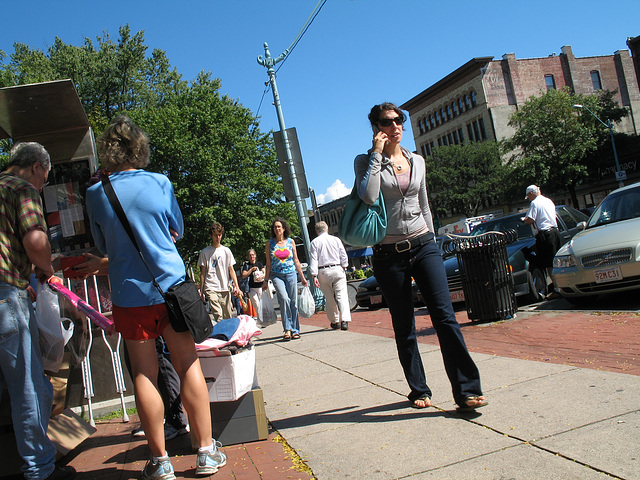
x: 247, y: 329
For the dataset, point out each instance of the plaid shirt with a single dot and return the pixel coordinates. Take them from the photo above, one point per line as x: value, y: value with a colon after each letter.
x: 20, y: 212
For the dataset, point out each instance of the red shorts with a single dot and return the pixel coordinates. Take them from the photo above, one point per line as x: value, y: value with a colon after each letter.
x: 140, y: 323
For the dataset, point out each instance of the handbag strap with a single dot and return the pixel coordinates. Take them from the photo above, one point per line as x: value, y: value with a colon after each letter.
x: 117, y: 207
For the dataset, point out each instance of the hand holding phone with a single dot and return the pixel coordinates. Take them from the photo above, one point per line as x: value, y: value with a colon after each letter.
x: 380, y: 140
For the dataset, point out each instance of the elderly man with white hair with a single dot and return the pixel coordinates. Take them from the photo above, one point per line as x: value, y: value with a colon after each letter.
x: 327, y: 261
x: 542, y: 215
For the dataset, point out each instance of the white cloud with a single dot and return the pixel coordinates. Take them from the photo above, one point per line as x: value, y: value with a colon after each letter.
x: 335, y: 191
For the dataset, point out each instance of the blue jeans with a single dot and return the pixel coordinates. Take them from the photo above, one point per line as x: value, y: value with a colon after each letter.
x: 393, y: 272
x: 30, y: 391
x: 287, y: 291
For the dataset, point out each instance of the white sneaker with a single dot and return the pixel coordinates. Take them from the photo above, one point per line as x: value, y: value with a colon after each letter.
x: 163, y: 470
x: 209, y: 463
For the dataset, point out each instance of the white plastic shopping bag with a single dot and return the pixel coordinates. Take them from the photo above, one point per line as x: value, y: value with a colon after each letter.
x: 53, y: 334
x: 306, y: 303
x: 266, y: 313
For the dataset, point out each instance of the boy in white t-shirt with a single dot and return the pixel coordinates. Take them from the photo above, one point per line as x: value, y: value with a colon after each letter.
x: 216, y: 268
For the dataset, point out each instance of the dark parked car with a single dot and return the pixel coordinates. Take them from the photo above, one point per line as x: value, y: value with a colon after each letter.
x: 370, y: 296
x: 530, y: 281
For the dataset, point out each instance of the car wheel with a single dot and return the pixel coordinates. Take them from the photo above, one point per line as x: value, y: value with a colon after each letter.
x: 537, y: 286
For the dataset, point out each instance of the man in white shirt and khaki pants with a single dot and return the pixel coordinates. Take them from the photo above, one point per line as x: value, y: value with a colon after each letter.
x: 327, y: 261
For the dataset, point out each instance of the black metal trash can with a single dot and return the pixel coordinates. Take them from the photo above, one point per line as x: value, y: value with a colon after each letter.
x: 486, y: 275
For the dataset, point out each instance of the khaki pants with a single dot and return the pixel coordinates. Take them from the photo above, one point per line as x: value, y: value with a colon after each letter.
x: 220, y: 303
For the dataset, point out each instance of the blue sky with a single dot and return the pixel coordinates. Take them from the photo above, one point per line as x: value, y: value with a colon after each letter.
x: 355, y: 54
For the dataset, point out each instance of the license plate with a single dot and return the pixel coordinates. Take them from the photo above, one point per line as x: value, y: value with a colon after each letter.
x: 457, y: 296
x: 376, y: 299
x: 608, y: 274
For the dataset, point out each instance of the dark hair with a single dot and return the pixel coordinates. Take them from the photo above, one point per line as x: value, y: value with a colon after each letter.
x: 376, y: 112
x: 285, y: 225
x: 123, y: 143
x: 216, y: 227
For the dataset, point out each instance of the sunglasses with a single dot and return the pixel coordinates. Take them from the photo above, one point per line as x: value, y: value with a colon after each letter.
x: 386, y: 122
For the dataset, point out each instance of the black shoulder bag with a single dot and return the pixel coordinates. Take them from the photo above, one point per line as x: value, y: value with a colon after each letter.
x: 186, y: 309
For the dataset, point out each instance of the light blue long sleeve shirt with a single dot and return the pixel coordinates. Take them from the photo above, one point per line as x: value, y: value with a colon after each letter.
x: 150, y: 205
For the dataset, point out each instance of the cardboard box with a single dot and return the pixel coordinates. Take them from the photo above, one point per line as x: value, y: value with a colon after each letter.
x: 241, y: 421
x: 66, y: 430
x: 230, y: 377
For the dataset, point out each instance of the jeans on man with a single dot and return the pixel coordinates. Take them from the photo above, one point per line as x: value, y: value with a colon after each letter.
x: 424, y: 263
x: 286, y: 285
x: 30, y: 391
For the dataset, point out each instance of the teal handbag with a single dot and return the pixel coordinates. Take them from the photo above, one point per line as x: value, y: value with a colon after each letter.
x: 362, y: 225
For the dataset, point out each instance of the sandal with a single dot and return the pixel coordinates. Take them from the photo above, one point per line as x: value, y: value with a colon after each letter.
x: 287, y: 336
x: 473, y: 402
x: 422, y: 402
x: 295, y: 336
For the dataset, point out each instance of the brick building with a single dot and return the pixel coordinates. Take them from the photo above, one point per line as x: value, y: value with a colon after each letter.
x: 474, y: 102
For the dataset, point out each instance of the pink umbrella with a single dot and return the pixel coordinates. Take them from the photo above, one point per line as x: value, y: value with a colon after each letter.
x: 97, y: 318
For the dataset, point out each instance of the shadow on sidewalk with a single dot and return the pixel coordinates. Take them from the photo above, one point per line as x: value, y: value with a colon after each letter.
x: 376, y: 414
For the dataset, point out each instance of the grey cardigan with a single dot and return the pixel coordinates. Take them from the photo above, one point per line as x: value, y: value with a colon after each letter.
x: 406, y: 213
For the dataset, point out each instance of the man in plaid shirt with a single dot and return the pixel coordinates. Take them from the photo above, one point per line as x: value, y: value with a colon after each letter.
x: 24, y: 245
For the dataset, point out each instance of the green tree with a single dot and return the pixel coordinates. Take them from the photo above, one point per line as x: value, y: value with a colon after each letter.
x: 461, y: 178
x: 222, y: 167
x: 552, y: 139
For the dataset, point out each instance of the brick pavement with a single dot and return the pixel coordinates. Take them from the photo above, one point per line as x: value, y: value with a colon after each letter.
x: 607, y: 341
x: 597, y: 340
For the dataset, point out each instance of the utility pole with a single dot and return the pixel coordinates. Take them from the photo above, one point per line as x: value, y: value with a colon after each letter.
x: 270, y: 62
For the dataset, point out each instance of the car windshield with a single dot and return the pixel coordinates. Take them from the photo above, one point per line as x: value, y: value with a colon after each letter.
x: 617, y: 207
x: 504, y: 225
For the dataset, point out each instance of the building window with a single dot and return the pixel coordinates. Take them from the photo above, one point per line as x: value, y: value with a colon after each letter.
x: 483, y: 132
x: 431, y: 122
x: 429, y: 146
x: 461, y: 135
x: 442, y: 115
x: 454, y: 109
x: 474, y: 103
x: 423, y: 150
x: 448, y: 112
x: 461, y: 104
x: 450, y: 139
x: 476, y: 131
x: 466, y: 103
x: 595, y: 80
x: 455, y: 137
x: 426, y: 124
x: 470, y: 131
x: 438, y: 118
x: 550, y: 82
x: 420, y: 126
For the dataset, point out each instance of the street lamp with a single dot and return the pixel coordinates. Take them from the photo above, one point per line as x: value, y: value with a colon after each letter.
x: 620, y: 174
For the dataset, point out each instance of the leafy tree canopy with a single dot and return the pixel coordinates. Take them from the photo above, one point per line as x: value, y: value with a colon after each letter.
x: 222, y: 167
x: 462, y: 177
x: 552, y: 138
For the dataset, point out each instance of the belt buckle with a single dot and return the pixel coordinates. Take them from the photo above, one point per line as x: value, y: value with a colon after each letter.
x: 404, y: 249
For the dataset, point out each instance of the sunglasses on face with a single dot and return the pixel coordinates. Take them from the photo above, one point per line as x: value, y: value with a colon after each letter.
x: 386, y: 122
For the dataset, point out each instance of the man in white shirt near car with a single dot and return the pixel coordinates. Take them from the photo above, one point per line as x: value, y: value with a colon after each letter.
x: 542, y: 215
x: 327, y: 261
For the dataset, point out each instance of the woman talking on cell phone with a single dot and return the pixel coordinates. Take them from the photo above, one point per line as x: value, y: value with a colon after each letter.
x: 409, y: 250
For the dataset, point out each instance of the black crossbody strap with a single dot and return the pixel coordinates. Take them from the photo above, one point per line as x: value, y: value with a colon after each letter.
x: 117, y: 207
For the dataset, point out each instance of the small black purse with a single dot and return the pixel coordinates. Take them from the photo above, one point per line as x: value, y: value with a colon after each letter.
x: 186, y: 309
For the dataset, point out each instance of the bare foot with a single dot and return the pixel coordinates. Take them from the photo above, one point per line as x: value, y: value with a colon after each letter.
x: 422, y: 402
x: 475, y: 402
x: 472, y: 403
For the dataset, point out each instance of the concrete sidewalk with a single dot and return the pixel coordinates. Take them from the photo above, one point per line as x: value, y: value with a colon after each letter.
x: 338, y: 398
